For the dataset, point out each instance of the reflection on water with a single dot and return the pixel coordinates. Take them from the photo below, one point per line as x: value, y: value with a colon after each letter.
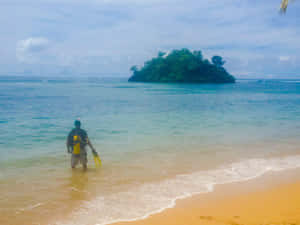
x: 78, y: 184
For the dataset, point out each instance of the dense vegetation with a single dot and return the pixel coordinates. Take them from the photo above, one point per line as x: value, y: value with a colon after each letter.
x: 182, y: 66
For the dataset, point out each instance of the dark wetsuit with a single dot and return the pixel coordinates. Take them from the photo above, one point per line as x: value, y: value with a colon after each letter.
x: 82, y: 157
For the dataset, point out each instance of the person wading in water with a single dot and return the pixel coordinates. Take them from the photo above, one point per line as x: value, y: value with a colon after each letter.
x: 76, y: 145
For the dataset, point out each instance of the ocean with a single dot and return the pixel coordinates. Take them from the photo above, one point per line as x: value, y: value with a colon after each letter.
x: 158, y: 143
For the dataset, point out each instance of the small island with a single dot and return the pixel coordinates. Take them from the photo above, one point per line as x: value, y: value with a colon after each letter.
x: 182, y: 66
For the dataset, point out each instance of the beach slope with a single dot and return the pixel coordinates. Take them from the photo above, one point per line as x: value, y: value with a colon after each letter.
x: 258, y: 202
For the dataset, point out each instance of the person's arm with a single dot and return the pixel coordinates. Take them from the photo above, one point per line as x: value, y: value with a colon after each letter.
x: 91, y: 146
x: 88, y: 142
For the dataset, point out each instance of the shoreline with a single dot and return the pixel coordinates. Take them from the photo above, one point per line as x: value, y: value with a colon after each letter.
x: 256, y: 172
x: 237, y: 178
x: 272, y: 187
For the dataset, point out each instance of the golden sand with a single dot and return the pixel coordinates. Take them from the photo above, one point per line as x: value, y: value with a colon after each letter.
x: 269, y: 200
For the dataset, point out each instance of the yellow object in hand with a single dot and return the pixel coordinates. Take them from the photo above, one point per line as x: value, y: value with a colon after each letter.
x: 97, y: 160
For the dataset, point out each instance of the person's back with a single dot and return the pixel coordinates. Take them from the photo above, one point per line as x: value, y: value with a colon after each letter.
x: 78, y: 132
x: 76, y: 145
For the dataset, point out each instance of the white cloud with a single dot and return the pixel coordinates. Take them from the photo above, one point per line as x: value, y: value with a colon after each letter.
x: 284, y: 58
x: 30, y: 49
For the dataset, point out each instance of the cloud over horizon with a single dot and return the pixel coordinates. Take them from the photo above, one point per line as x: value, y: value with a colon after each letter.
x: 28, y: 50
x: 109, y: 36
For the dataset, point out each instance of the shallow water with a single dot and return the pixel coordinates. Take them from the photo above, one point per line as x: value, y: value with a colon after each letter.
x: 158, y: 142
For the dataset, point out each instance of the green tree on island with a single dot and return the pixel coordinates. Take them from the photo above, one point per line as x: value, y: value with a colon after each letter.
x: 133, y: 69
x: 217, y: 60
x: 182, y: 66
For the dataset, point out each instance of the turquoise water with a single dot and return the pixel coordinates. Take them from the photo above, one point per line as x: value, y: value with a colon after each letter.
x: 149, y: 136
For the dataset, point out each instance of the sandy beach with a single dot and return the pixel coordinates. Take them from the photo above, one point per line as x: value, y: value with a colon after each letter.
x: 271, y: 199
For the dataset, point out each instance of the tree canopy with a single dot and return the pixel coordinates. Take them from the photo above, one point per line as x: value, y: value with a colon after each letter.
x: 217, y: 60
x: 182, y: 66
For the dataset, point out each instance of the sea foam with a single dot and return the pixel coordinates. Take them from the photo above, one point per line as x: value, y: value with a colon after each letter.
x: 147, y: 199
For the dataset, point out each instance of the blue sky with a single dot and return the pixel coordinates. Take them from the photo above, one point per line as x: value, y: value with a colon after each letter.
x: 107, y: 37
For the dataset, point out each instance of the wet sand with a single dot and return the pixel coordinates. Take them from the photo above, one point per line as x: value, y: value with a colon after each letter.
x: 271, y: 199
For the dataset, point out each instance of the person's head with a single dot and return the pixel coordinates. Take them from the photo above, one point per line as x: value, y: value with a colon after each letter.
x: 77, y: 123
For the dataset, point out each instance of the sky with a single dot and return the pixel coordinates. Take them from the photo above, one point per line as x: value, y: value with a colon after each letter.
x: 106, y: 37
